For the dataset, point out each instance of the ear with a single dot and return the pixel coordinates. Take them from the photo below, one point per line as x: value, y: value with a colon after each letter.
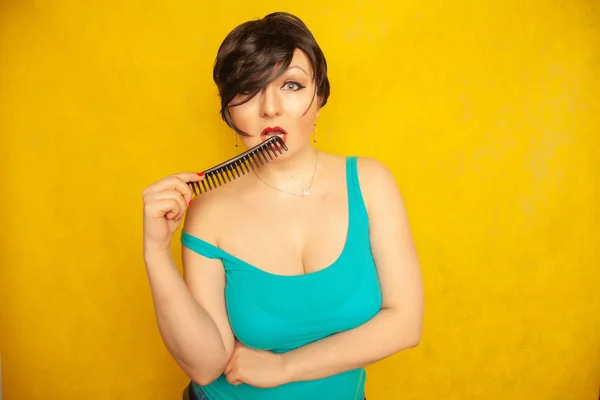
x: 319, y: 102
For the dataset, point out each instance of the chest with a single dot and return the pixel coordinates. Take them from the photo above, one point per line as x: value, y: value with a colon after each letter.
x: 289, y: 236
x: 280, y: 313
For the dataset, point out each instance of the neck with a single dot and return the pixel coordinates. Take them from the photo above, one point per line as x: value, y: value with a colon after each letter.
x: 290, y: 171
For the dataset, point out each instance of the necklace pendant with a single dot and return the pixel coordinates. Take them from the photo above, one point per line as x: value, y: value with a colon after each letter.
x: 305, y: 192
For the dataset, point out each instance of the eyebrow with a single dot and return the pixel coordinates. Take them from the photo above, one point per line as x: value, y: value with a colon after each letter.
x: 299, y: 67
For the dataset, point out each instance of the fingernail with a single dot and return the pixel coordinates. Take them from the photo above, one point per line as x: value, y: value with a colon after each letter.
x: 201, y: 174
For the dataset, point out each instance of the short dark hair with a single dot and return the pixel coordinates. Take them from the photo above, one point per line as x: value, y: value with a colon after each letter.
x: 249, y: 54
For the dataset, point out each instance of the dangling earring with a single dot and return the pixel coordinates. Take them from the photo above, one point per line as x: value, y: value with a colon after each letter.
x: 315, y: 133
x: 236, y: 139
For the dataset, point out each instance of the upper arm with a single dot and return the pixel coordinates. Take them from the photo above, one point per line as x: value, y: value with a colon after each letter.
x: 392, y: 243
x: 205, y: 277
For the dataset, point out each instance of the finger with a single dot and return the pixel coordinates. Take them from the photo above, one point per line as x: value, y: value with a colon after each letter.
x: 171, y: 209
x: 183, y: 204
x: 171, y: 195
x: 165, y: 204
x: 185, y: 189
x: 190, y: 176
x: 176, y: 182
x: 232, y: 378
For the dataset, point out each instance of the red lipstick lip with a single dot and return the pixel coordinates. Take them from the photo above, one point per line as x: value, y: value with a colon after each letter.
x: 270, y: 129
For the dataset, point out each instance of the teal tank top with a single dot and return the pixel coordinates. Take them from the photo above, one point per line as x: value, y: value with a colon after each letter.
x: 281, y: 313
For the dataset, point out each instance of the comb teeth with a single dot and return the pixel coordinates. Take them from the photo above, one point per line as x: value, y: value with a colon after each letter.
x: 240, y: 165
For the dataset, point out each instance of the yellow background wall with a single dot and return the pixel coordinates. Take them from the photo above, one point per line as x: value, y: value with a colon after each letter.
x: 486, y: 111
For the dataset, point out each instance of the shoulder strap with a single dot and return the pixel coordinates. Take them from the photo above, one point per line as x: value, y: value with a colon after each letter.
x: 200, y: 246
x: 355, y: 199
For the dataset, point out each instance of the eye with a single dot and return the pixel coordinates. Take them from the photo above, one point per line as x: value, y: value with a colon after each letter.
x: 293, y: 86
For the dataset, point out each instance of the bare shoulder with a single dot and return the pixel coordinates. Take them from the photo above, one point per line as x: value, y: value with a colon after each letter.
x: 203, y: 216
x: 377, y: 181
x: 373, y: 168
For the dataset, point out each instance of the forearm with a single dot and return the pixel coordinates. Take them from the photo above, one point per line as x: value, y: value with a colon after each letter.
x: 384, y: 335
x: 187, y: 330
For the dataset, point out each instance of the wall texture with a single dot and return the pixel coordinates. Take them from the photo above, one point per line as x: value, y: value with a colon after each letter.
x: 486, y: 111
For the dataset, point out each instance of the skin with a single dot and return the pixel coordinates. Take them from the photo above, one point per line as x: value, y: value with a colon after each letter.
x: 194, y: 306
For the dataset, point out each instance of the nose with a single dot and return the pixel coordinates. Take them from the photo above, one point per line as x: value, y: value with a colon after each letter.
x: 270, y: 105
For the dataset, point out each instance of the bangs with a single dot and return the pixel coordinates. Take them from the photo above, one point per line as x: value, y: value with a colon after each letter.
x: 251, y: 73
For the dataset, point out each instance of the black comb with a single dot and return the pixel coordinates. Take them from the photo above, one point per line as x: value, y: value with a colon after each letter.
x: 226, y: 171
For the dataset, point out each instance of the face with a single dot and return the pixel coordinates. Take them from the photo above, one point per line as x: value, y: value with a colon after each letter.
x: 282, y: 108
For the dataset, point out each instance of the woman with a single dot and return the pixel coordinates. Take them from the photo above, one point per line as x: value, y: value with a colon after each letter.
x: 297, y: 276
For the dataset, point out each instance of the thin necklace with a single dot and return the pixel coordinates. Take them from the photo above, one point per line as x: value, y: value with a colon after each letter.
x: 305, y: 192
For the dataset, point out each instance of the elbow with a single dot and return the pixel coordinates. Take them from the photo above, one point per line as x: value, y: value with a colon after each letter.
x: 406, y: 328
x: 413, y: 341
x: 413, y: 335
x: 204, y: 378
x: 409, y: 338
x: 204, y: 372
x: 415, y: 338
x: 405, y: 342
x: 207, y: 375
